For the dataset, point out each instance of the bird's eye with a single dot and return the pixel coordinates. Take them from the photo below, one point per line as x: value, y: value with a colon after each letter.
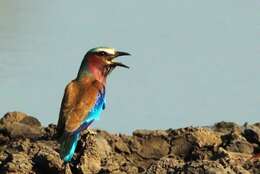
x: 102, y: 53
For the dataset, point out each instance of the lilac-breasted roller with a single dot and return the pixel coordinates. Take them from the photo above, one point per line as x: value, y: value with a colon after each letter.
x: 84, y: 97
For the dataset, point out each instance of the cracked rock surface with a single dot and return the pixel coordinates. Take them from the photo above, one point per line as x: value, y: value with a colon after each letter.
x: 27, y: 147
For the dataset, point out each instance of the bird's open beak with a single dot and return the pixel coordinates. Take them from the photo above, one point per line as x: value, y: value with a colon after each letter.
x: 119, y: 53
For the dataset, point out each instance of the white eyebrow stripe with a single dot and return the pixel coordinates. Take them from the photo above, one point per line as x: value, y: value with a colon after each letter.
x: 111, y: 51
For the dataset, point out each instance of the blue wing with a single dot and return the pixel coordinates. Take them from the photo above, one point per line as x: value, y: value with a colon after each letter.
x: 72, y: 139
x: 95, y: 112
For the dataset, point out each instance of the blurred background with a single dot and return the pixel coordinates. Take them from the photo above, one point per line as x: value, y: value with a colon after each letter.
x: 193, y: 63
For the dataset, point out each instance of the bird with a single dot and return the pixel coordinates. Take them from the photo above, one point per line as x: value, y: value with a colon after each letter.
x: 85, y: 97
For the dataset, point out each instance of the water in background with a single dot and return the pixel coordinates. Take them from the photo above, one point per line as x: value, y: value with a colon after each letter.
x: 191, y: 63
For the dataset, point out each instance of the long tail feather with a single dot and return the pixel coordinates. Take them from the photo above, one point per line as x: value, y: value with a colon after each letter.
x: 69, y: 143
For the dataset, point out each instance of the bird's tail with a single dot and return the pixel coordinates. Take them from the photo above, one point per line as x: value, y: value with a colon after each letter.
x: 69, y: 143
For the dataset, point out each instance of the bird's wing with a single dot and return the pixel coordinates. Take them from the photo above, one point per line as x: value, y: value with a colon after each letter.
x: 68, y: 101
x: 78, y: 103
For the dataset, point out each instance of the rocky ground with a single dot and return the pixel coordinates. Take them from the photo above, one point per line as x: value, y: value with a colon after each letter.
x: 27, y: 147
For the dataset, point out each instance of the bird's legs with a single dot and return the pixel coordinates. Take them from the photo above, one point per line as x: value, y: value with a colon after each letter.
x: 91, y: 132
x: 66, y: 168
x: 84, y: 126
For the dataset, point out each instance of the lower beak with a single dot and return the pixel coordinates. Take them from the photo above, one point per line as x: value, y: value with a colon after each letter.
x: 120, y: 53
x: 119, y: 64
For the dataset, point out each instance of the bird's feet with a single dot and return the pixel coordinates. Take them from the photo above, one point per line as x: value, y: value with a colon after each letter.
x: 67, y: 169
x: 91, y: 132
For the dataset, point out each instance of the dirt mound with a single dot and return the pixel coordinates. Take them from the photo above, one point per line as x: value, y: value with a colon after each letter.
x: 27, y: 147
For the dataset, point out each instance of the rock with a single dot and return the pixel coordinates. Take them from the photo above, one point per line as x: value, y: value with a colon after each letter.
x: 252, y: 134
x: 152, y: 148
x: 226, y: 127
x: 181, y: 147
x: 89, y: 164
x: 18, y: 124
x: 48, y: 161
x: 147, y: 133
x: 204, y: 166
x: 205, y: 137
x: 241, y: 146
x: 121, y: 146
x: 235, y: 142
x: 165, y: 166
x: 17, y: 163
x: 252, y: 166
x: 3, y: 139
x: 257, y: 125
x: 49, y: 132
x: 90, y: 160
x: 14, y: 117
x: 26, y: 147
x: 234, y: 158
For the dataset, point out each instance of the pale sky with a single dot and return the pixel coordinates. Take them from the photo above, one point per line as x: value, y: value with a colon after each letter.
x: 193, y: 63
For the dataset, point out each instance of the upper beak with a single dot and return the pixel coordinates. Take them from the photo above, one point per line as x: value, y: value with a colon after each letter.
x: 120, y: 53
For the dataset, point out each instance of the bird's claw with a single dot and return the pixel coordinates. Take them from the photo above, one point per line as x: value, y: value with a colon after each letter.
x: 91, y: 132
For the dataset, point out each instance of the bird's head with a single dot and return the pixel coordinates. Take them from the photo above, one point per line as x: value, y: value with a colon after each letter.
x: 100, y: 62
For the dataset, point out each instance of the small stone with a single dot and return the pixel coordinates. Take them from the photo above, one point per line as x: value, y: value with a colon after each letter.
x: 18, y: 124
x: 226, y: 127
x: 241, y: 146
x: 153, y: 148
x: 252, y: 134
x: 48, y: 161
x: 120, y: 146
x: 205, y: 137
x: 181, y: 147
x: 18, y: 163
x: 154, y: 133
x: 13, y: 117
